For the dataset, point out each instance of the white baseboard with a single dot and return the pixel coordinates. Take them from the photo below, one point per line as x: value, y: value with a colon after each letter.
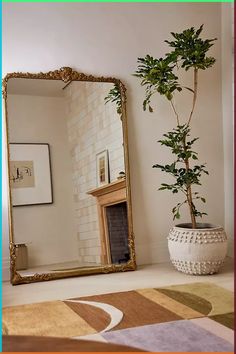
x: 5, y: 269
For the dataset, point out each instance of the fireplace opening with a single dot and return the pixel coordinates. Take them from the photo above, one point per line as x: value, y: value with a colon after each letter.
x: 117, y: 226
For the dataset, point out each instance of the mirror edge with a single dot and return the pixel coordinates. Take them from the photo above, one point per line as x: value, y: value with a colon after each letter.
x: 67, y: 74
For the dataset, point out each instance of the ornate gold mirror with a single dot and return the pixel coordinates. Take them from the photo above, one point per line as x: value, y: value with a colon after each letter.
x: 69, y: 187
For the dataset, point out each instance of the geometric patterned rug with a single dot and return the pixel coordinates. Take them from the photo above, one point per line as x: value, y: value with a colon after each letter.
x: 187, y: 318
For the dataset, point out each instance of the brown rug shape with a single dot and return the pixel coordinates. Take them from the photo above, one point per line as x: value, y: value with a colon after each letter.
x: 193, y: 301
x: 226, y: 319
x: 137, y: 310
x: 94, y: 316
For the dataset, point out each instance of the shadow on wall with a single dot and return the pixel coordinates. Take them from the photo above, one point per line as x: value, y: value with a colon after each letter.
x: 142, y: 245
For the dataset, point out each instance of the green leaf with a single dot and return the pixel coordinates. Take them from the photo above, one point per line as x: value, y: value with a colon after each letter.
x: 177, y: 215
x: 199, y: 31
x: 150, y: 109
x: 114, y: 95
x: 189, y: 89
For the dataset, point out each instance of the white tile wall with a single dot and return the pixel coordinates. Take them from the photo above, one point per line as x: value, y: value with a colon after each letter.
x: 92, y: 127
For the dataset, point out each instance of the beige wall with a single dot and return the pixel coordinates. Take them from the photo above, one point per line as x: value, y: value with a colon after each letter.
x: 228, y: 118
x: 47, y: 229
x: 106, y: 39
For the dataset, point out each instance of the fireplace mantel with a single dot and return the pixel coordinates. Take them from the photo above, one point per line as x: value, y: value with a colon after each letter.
x: 107, y: 195
x: 108, y: 188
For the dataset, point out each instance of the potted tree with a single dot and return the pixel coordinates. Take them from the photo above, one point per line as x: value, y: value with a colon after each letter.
x: 195, y: 248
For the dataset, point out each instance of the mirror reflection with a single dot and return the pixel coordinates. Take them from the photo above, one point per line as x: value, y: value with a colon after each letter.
x: 67, y: 176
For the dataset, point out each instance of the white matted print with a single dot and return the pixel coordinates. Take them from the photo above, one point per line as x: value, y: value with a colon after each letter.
x: 102, y: 168
x: 30, y: 174
x: 22, y: 174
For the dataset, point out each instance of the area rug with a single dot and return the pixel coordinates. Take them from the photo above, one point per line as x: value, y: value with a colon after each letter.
x: 187, y: 318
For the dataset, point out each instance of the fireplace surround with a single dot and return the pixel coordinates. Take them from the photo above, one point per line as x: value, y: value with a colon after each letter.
x: 113, y: 221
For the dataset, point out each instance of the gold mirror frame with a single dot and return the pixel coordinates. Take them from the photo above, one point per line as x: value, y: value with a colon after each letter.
x: 67, y: 74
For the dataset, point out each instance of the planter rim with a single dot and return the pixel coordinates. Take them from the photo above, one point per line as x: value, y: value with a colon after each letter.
x: 200, y: 227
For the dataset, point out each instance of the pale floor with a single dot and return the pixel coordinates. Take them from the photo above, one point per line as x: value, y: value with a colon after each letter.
x: 146, y: 276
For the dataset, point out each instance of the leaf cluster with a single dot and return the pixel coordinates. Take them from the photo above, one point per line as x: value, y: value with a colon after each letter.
x: 182, y: 147
x: 160, y: 75
x: 176, y: 140
x: 114, y: 95
x: 196, y: 213
x: 157, y: 75
x: 190, y: 50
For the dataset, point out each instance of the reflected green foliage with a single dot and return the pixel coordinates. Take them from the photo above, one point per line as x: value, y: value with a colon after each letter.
x: 114, y: 95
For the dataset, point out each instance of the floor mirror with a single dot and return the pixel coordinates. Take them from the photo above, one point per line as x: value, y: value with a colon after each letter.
x: 68, y: 167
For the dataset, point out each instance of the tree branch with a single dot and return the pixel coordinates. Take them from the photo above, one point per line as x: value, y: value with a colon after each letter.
x: 195, y: 77
x: 176, y: 114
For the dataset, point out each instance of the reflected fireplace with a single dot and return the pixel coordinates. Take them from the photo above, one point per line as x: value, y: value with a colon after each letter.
x: 117, y: 226
x: 113, y: 222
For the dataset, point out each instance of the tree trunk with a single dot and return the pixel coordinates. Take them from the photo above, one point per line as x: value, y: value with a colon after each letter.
x: 189, y: 192
x: 190, y: 203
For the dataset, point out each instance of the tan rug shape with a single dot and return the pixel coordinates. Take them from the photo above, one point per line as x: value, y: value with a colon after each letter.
x: 169, y: 303
x: 52, y: 318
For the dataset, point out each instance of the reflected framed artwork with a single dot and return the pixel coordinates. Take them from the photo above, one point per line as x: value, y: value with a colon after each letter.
x: 102, y: 168
x: 30, y: 174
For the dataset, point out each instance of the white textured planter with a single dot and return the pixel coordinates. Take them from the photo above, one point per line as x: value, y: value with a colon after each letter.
x: 197, y: 251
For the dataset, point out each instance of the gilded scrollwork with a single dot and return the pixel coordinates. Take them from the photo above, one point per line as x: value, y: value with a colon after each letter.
x: 67, y: 74
x: 132, y: 249
x: 12, y: 249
